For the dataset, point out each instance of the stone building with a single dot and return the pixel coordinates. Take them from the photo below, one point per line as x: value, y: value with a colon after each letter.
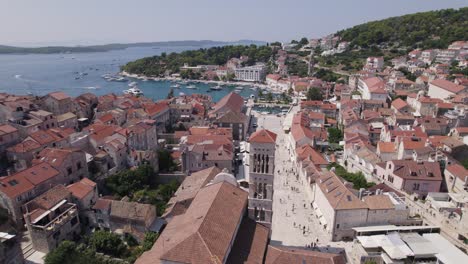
x: 261, y: 175
x: 51, y: 219
x: 57, y: 103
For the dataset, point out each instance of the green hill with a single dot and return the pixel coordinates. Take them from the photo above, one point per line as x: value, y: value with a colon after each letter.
x: 434, y: 29
x: 159, y: 65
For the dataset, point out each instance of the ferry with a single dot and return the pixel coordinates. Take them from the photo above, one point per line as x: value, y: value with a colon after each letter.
x: 133, y: 91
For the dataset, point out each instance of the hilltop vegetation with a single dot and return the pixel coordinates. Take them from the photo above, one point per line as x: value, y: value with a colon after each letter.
x: 434, y: 29
x: 158, y: 65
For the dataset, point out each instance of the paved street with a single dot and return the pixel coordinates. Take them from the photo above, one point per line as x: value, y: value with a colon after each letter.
x: 294, y: 221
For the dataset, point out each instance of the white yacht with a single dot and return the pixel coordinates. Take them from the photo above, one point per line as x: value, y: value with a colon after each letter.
x: 191, y: 86
x: 132, y: 84
x: 216, y: 88
x: 133, y: 91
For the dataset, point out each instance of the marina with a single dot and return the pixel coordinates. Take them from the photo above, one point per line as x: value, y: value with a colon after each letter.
x: 39, y: 74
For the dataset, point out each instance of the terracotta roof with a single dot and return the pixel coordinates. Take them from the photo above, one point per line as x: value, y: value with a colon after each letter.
x: 231, y: 101
x: 462, y: 130
x: 59, y: 96
x: 26, y: 146
x: 232, y: 117
x: 50, y: 198
x: 44, y: 137
x: 337, y: 194
x: 275, y: 77
x: 409, y: 144
x: 286, y: 255
x: 399, y: 104
x: 193, y: 183
x: 409, y: 169
x: 448, y: 86
x: 82, y: 188
x: 102, y: 204
x: 205, y: 232
x: 386, y: 147
x: 26, y: 180
x: 378, y: 202
x: 306, y: 152
x: 7, y: 129
x: 458, y: 171
x: 250, y: 244
x: 133, y: 211
x: 54, y: 156
x: 263, y: 136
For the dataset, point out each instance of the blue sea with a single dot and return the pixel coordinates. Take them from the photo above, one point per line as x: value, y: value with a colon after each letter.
x: 40, y: 74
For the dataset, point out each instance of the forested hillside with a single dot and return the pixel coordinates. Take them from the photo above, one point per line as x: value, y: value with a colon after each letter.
x: 158, y: 65
x: 434, y: 29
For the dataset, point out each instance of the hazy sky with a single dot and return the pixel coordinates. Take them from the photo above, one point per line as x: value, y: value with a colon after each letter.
x: 69, y: 22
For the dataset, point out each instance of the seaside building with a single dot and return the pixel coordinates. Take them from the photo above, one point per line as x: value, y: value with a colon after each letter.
x: 254, y: 73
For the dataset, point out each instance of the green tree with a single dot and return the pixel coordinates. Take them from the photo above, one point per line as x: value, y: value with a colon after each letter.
x: 107, y: 243
x: 148, y: 242
x: 334, y: 135
x: 269, y: 97
x: 165, y: 161
x: 314, y: 94
x: 126, y: 182
x: 304, y: 41
x: 69, y: 252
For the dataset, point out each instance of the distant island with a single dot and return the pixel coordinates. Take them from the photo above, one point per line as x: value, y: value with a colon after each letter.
x: 118, y: 46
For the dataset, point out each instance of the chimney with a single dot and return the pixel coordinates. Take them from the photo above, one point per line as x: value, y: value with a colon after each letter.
x: 361, y: 192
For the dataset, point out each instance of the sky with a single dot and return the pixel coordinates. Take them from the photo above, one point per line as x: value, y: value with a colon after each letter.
x: 84, y: 22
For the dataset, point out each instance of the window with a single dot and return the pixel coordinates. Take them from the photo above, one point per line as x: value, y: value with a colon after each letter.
x: 337, y: 226
x: 415, y: 186
x: 69, y: 171
x: 78, y: 165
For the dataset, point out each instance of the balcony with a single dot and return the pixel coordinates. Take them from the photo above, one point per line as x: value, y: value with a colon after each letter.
x: 57, y: 222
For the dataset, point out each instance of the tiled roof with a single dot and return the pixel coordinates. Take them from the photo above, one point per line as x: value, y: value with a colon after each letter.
x: 458, y: 171
x: 250, y: 244
x: 337, y: 194
x: 193, y: 183
x: 307, y: 152
x: 26, y: 146
x: 232, y: 117
x: 133, y: 211
x: 82, y: 188
x: 409, y: 169
x: 7, y: 129
x: 205, y: 232
x: 399, y: 104
x: 59, y: 96
x: 386, y: 147
x: 26, y: 180
x: 50, y: 198
x: 54, y: 156
x: 232, y: 101
x: 286, y: 255
x: 448, y: 86
x: 263, y: 136
x: 378, y: 202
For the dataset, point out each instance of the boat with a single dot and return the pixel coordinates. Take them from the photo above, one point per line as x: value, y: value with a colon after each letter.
x: 176, y: 86
x: 132, y: 84
x: 216, y: 88
x: 120, y: 79
x: 191, y: 87
x: 133, y: 91
x: 239, y: 88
